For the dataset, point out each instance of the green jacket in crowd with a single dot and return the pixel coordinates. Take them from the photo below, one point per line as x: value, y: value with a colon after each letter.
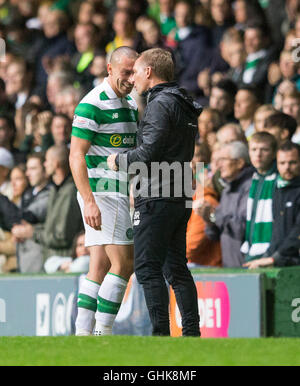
x: 63, y: 221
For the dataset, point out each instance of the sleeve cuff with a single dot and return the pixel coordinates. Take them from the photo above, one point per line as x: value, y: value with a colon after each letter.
x: 276, y: 257
x: 121, y: 162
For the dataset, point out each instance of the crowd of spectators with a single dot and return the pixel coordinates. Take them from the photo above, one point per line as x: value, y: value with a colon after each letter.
x: 238, y: 58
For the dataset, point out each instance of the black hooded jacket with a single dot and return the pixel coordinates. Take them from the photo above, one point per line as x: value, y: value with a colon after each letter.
x: 166, y: 134
x: 285, y: 242
x: 10, y: 214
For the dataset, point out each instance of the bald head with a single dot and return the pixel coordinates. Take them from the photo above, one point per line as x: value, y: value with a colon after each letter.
x: 120, y: 70
x: 57, y: 157
x: 119, y: 53
x: 61, y: 153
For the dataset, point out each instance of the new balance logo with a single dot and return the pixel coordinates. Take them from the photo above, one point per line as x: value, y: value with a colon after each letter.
x: 136, y: 218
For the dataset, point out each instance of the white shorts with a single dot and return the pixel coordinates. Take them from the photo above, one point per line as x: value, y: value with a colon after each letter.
x: 116, y: 227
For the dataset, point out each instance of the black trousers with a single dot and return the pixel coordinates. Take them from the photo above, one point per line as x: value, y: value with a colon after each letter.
x: 160, y: 253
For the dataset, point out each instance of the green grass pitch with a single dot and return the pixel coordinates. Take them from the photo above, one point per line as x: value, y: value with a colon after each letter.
x: 147, y: 351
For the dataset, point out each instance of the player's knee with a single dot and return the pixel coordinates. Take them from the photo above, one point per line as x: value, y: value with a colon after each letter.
x: 123, y: 267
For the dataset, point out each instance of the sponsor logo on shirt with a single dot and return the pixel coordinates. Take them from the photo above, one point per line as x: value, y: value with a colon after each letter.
x: 117, y: 140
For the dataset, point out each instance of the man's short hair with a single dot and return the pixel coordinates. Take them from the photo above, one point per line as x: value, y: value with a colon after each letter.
x: 293, y: 94
x: 288, y: 146
x: 61, y: 153
x: 11, y: 125
x: 38, y: 155
x: 268, y: 107
x: 232, y: 35
x: 228, y: 86
x: 239, y: 150
x: 217, y: 117
x: 265, y: 137
x: 283, y: 121
x: 63, y: 116
x: 161, y: 62
x: 256, y: 93
x: 261, y: 27
x: 237, y: 128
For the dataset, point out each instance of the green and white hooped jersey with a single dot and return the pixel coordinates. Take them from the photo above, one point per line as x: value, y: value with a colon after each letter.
x: 110, y: 124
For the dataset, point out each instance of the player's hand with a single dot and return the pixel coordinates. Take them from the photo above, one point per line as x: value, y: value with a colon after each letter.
x: 92, y: 215
x: 111, y: 162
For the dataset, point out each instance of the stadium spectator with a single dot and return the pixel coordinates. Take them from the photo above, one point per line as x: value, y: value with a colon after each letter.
x: 290, y: 105
x: 209, y: 122
x: 259, y: 55
x: 57, y: 82
x: 233, y: 52
x: 192, y: 43
x: 98, y: 68
x: 37, y: 132
x: 6, y: 165
x: 52, y: 43
x: 200, y: 250
x: 85, y: 12
x: 260, y: 116
x: 86, y: 39
x: 66, y: 101
x: 246, y: 103
x: 282, y: 126
x: 283, y: 88
x: 262, y: 151
x: 248, y: 10
x: 24, y: 117
x: 102, y: 21
x: 285, y: 70
x: 150, y: 35
x: 6, y: 106
x: 8, y: 136
x: 221, y: 12
x: 222, y: 98
x: 33, y: 210
x: 61, y: 127
x: 77, y: 262
x: 8, y: 259
x: 227, y: 222
x: 18, y: 82
x: 229, y: 133
x: 124, y: 30
x: 63, y: 218
x: 19, y: 183
x: 8, y: 217
x: 163, y: 12
x: 284, y: 246
x: 52, y: 129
